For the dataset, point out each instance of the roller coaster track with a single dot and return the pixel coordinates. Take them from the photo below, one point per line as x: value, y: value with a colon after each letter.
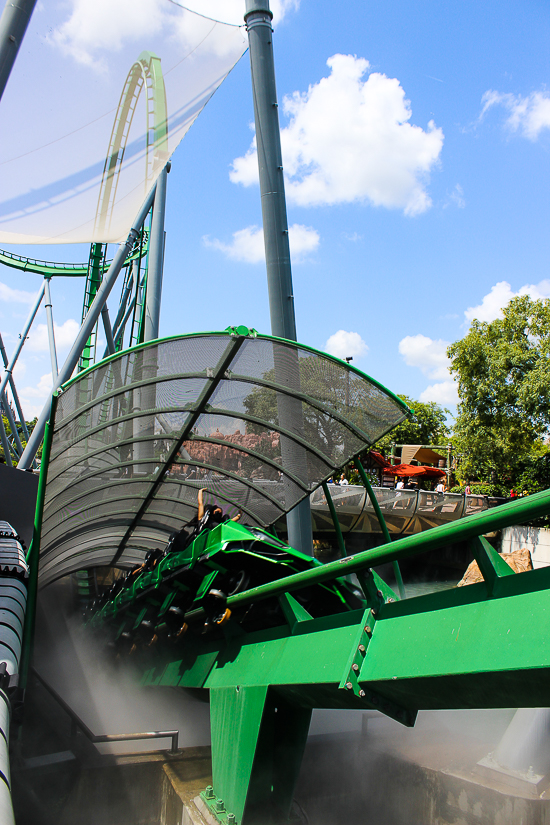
x: 145, y: 74
x: 50, y: 269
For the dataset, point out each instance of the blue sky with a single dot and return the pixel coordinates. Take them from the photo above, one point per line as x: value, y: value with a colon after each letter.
x: 419, y: 181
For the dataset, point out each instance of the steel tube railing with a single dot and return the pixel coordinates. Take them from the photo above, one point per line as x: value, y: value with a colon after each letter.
x: 102, y: 738
x: 514, y: 512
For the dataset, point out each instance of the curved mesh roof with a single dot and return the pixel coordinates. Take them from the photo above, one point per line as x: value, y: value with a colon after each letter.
x: 259, y: 421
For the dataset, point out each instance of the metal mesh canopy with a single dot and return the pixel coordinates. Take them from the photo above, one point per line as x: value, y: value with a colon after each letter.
x: 260, y: 422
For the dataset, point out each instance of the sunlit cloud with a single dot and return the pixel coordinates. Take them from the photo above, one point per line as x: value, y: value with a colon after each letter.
x: 430, y: 356
x: 501, y: 294
x: 346, y: 345
x: 247, y: 244
x: 65, y: 335
x: 528, y: 116
x: 349, y: 139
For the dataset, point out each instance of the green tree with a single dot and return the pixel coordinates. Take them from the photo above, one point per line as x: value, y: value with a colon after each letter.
x: 335, y: 389
x: 30, y: 428
x: 428, y: 425
x: 503, y: 373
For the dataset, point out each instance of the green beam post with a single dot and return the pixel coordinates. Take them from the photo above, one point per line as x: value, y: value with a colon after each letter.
x: 33, y: 555
x: 335, y: 521
x: 383, y: 526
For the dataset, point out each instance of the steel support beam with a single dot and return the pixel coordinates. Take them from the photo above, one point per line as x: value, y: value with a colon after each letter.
x: 108, y: 330
x: 86, y: 328
x: 51, y: 334
x: 14, y: 393
x: 5, y: 443
x: 9, y: 369
x: 277, y: 250
x: 13, y: 25
x: 155, y: 262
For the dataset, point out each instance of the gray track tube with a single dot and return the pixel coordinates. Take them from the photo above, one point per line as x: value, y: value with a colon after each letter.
x: 9, y: 369
x: 155, y: 262
x: 51, y: 334
x: 87, y: 325
x: 120, y: 313
x: 108, y: 330
x: 122, y: 326
x: 13, y: 25
x: 14, y: 393
x: 277, y: 250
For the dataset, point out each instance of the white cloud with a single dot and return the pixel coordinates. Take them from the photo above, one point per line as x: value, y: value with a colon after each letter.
x: 104, y: 26
x: 345, y: 344
x: 33, y: 398
x: 527, y: 115
x: 232, y: 11
x: 95, y: 29
x: 457, y: 196
x: 65, y: 335
x: 431, y: 357
x: 428, y: 355
x: 350, y: 139
x: 15, y: 296
x: 501, y: 294
x: 248, y: 244
x: 443, y: 393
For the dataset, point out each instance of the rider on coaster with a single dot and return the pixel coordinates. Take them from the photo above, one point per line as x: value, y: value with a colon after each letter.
x: 208, y: 516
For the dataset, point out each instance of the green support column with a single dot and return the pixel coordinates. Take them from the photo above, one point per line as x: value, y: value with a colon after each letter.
x: 235, y: 718
x: 258, y: 740
x: 339, y: 536
x: 382, y: 522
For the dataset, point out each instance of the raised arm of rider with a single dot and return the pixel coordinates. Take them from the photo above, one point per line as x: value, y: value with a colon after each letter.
x: 200, y: 512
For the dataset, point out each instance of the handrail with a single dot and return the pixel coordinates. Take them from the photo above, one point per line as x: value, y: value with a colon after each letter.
x: 514, y: 512
x: 95, y: 738
x: 50, y: 268
x: 414, y: 499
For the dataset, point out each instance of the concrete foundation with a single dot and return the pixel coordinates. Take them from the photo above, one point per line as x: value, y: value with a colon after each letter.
x: 385, y: 775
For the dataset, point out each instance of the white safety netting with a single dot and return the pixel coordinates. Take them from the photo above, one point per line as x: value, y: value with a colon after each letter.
x: 99, y: 98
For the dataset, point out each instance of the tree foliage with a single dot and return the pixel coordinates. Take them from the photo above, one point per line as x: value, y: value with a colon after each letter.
x: 335, y: 390
x: 427, y: 426
x: 503, y: 373
x: 7, y: 429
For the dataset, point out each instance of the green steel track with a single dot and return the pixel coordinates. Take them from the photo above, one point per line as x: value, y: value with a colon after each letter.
x: 50, y: 269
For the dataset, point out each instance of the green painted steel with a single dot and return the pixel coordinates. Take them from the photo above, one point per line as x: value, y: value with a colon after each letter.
x: 514, y: 512
x: 338, y: 531
x: 145, y: 74
x: 50, y: 269
x: 96, y: 267
x: 382, y: 522
x: 272, y: 633
x: 483, y: 645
